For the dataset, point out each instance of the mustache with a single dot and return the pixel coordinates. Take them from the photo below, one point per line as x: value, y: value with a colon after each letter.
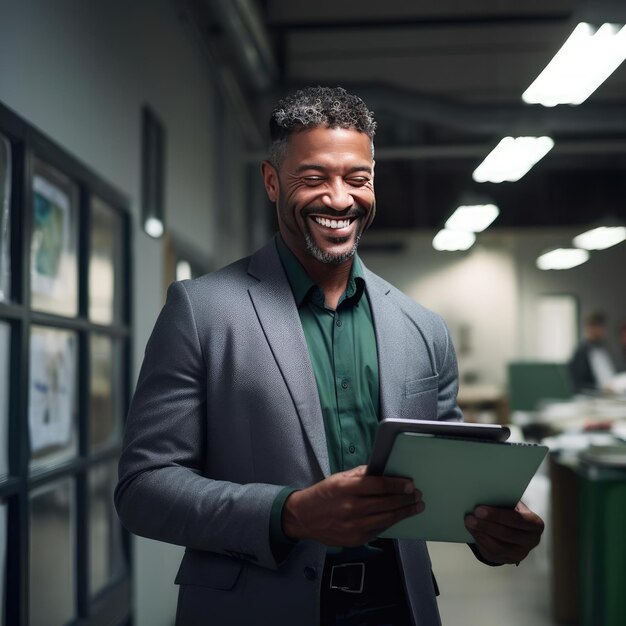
x: 353, y: 213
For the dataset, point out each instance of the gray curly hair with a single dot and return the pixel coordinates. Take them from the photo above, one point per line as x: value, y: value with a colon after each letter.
x: 317, y: 106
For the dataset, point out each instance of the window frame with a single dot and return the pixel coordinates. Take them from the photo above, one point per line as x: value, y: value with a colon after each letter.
x: 113, y: 603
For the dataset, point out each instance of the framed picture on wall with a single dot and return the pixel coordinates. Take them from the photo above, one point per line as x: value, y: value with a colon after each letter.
x: 52, y: 396
x: 54, y: 270
x: 106, y: 260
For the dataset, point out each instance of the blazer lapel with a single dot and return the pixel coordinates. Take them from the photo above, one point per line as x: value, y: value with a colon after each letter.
x: 389, y: 329
x: 274, y: 304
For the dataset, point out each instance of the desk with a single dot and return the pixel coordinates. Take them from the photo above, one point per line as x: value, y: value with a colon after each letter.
x: 483, y: 403
x: 588, y: 503
x: 581, y: 414
x: 564, y: 505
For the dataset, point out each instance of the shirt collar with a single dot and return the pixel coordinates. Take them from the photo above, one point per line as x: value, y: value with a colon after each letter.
x: 302, y: 284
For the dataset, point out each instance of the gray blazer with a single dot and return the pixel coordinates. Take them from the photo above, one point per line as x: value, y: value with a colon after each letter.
x: 226, y: 413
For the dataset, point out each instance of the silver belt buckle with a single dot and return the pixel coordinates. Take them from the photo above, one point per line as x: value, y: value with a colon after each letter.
x: 352, y: 588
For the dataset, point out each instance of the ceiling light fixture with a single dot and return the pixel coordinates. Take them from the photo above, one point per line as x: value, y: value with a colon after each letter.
x: 562, y: 259
x: 472, y: 217
x: 153, y: 227
x: 183, y: 270
x: 512, y: 158
x: 583, y: 63
x: 600, y: 238
x: 453, y: 240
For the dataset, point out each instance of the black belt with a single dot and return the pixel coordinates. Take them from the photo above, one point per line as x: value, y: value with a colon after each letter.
x: 364, y: 582
x: 347, y: 577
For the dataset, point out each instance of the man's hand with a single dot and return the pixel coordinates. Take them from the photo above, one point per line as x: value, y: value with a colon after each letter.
x: 504, y: 535
x: 349, y: 508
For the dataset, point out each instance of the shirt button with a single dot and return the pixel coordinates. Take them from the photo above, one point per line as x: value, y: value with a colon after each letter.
x: 351, y: 448
x: 344, y: 384
x: 339, y: 322
x: 310, y: 573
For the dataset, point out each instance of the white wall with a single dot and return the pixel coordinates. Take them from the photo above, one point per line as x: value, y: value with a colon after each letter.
x: 80, y: 72
x: 598, y: 284
x: 493, y: 289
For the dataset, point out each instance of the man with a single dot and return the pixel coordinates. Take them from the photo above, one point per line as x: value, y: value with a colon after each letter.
x: 259, y: 397
x: 591, y: 367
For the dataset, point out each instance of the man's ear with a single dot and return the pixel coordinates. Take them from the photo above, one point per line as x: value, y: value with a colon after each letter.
x: 270, y: 180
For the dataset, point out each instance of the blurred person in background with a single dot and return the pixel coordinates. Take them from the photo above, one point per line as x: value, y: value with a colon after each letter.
x: 592, y: 367
x: 622, y: 346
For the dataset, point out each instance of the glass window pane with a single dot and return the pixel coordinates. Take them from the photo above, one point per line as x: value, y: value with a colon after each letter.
x: 105, y: 408
x: 5, y: 355
x: 5, y: 206
x: 52, y: 396
x: 54, y: 282
x: 51, y: 554
x: 3, y: 559
x: 105, y: 262
x: 107, y: 562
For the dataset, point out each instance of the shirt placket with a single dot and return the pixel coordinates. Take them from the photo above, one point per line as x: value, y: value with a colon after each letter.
x: 345, y: 380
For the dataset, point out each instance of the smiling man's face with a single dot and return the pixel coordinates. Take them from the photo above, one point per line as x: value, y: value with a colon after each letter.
x: 324, y: 193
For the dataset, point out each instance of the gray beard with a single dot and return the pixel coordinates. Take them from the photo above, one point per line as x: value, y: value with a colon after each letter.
x: 326, y: 257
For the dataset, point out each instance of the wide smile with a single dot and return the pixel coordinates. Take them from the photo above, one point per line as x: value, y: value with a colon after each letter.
x: 334, y: 224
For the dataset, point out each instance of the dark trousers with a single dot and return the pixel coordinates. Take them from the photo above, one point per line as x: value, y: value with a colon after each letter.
x: 374, y: 571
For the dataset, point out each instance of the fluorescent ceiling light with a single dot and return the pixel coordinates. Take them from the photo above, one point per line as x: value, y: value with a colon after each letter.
x: 472, y: 218
x: 453, y: 240
x: 562, y: 259
x: 584, y: 62
x: 601, y: 237
x: 512, y: 158
x: 154, y: 227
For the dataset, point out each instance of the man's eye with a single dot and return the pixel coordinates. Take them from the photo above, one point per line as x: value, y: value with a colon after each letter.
x: 358, y: 181
x: 313, y: 180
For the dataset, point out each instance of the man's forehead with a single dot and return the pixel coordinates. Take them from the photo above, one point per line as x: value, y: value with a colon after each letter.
x: 331, y: 141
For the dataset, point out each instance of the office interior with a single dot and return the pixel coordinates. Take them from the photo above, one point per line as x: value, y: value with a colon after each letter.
x: 130, y: 140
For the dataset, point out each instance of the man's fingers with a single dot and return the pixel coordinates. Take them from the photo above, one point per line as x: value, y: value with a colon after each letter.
x: 349, y: 507
x: 381, y: 521
x: 498, y: 551
x: 372, y: 505
x: 358, y: 483
x: 360, y: 470
x: 504, y: 534
x: 520, y: 518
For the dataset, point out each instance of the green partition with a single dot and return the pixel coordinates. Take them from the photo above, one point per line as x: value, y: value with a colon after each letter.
x: 530, y: 382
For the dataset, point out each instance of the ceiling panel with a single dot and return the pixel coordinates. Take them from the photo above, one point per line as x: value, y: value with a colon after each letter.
x: 445, y: 80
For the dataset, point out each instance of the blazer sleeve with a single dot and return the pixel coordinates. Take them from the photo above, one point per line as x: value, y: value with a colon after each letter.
x: 162, y: 492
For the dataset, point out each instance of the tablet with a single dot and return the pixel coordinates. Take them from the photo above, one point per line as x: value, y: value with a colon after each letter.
x: 388, y: 430
x: 455, y: 474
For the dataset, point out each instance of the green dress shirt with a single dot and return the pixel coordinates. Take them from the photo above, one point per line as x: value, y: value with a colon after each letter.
x: 343, y: 353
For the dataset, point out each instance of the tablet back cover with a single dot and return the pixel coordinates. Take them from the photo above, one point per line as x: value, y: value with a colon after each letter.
x: 455, y: 475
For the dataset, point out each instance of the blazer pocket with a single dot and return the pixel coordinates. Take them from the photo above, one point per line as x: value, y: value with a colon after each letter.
x: 208, y: 569
x: 422, y: 384
x: 420, y: 400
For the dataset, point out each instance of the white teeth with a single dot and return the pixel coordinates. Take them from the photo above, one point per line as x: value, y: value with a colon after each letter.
x: 332, y: 223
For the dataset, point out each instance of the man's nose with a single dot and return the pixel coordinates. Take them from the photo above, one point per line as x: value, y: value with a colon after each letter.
x: 338, y: 197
